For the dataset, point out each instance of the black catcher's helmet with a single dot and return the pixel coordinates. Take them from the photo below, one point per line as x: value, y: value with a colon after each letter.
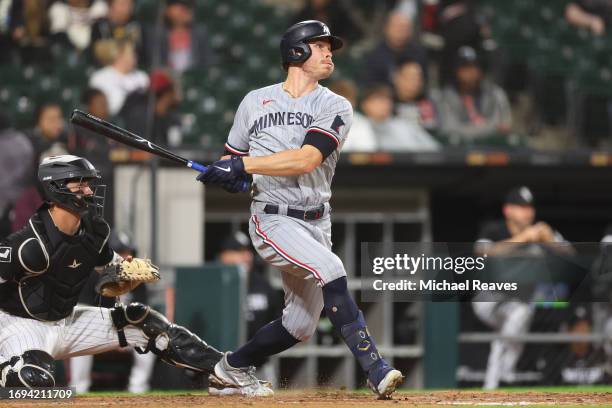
x: 57, y: 171
x: 294, y: 44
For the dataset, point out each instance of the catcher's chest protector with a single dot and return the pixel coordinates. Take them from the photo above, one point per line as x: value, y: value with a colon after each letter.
x: 53, y: 294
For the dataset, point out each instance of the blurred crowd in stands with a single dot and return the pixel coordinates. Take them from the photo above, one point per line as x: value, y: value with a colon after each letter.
x: 422, y: 75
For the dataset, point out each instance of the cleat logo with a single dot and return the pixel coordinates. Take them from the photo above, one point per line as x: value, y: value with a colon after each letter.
x: 364, y: 345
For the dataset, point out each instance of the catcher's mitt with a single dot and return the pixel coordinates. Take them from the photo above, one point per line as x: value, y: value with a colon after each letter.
x: 122, y: 277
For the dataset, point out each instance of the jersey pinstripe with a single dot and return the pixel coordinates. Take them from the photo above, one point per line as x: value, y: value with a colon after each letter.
x: 269, y: 120
x: 88, y: 330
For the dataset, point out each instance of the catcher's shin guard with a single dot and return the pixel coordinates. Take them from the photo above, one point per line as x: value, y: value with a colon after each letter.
x: 175, y: 344
x: 33, y: 369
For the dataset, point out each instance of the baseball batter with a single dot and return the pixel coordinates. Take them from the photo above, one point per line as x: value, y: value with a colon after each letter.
x: 288, y: 137
x: 43, y: 268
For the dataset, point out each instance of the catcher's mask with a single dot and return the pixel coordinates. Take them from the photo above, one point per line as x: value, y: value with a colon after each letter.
x: 56, y: 172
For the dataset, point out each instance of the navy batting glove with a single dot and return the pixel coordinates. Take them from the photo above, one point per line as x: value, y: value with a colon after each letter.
x: 223, y: 171
x: 236, y: 186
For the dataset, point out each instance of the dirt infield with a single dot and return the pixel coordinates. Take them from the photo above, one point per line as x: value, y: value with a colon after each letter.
x: 338, y: 399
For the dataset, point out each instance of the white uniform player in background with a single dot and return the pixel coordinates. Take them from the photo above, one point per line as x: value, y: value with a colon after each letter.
x: 288, y: 137
x: 517, y: 233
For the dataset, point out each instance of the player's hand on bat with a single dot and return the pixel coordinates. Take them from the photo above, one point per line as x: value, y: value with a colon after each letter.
x: 240, y: 185
x: 223, y: 171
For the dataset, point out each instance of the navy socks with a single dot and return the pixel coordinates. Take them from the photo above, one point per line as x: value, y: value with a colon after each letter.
x: 269, y: 340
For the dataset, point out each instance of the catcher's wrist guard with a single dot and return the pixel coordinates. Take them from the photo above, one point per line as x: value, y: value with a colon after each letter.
x: 174, y: 344
x: 122, y: 277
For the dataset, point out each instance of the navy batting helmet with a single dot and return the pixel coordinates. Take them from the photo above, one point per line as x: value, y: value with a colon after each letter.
x: 294, y: 44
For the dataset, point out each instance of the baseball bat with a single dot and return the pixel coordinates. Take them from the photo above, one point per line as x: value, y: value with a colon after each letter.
x: 126, y: 137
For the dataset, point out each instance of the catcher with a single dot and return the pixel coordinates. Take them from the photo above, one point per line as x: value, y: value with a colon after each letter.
x: 43, y: 268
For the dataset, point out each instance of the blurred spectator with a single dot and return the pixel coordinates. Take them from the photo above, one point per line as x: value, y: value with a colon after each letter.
x: 398, y: 44
x: 96, y: 103
x: 95, y: 148
x: 142, y: 369
x: 412, y: 103
x: 393, y: 134
x: 16, y: 156
x: 594, y: 15
x: 121, y: 77
x: 263, y: 302
x: 49, y: 134
x: 582, y: 363
x: 166, y: 122
x: 181, y: 43
x: 472, y: 107
x: 335, y: 14
x: 602, y: 288
x: 6, y: 42
x: 29, y: 28
x: 119, y: 25
x: 71, y: 21
x: 48, y: 138
x: 361, y: 138
x: 511, y: 236
x: 459, y: 25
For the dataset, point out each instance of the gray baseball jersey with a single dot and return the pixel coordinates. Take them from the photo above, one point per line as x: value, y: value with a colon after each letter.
x: 269, y: 120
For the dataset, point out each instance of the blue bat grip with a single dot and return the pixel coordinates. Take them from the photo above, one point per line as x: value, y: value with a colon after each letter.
x: 197, y: 166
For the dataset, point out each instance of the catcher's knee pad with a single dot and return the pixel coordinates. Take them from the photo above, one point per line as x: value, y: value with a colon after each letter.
x: 33, y: 369
x: 175, y: 344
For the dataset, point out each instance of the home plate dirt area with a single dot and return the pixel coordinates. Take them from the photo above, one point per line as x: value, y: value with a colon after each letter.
x: 336, y: 399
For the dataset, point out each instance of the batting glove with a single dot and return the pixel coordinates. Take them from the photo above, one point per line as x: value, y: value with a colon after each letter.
x: 223, y: 171
x: 240, y: 185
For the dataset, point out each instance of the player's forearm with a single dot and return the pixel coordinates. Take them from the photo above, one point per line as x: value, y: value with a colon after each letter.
x: 294, y: 162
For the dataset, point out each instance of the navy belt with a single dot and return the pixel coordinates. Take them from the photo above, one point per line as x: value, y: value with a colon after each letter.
x: 299, y: 214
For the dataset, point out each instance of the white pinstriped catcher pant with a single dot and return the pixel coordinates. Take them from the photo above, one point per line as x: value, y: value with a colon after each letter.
x: 302, y: 252
x: 88, y: 330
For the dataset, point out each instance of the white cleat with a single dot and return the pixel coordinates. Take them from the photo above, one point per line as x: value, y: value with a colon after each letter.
x: 387, y: 385
x: 220, y: 390
x: 243, y: 380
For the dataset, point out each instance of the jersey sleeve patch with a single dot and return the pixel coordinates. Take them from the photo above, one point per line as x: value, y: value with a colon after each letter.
x: 6, y: 254
x: 337, y: 124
